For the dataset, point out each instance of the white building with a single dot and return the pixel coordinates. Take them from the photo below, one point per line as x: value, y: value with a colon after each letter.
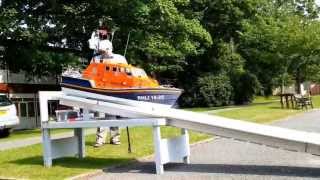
x: 23, y: 91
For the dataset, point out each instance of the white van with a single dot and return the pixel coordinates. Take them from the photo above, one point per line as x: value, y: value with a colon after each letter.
x: 8, y: 116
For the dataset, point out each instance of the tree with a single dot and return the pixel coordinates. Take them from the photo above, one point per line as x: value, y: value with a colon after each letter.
x: 161, y: 35
x: 223, y: 19
x: 262, y: 42
x: 278, y: 43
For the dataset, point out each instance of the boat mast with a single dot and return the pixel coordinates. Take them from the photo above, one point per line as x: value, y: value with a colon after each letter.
x: 128, y: 39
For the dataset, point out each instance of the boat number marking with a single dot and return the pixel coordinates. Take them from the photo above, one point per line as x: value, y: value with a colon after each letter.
x: 150, y: 97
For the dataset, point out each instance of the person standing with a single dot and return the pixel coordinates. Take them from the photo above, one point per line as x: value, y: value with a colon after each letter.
x: 101, y: 134
x: 103, y: 48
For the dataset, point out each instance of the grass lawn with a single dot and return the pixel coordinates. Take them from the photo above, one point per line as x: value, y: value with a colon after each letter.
x: 262, y: 110
x: 316, y: 101
x: 264, y: 113
x: 21, y: 134
x: 27, y: 162
x: 257, y: 100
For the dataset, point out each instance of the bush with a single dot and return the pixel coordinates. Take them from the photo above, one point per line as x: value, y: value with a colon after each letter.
x: 245, y: 86
x: 214, y: 90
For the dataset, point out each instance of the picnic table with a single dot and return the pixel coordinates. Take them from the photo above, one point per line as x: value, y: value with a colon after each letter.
x: 295, y: 100
x: 287, y: 99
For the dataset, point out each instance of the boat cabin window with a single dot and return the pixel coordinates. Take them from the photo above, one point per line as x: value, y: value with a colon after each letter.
x: 139, y: 72
x: 114, y: 69
x: 128, y: 71
x: 107, y: 68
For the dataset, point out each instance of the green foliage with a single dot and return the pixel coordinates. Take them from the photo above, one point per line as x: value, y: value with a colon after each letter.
x: 196, y: 44
x: 245, y: 86
x: 279, y: 44
x: 160, y: 33
x: 39, y: 63
x: 176, y: 34
x: 229, y: 60
x: 214, y: 90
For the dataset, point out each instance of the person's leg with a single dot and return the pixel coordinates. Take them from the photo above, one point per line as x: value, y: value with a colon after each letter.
x: 101, y: 133
x: 101, y: 136
x: 115, y: 135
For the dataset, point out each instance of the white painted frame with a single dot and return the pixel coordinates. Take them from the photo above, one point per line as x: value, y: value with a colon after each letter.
x: 176, y: 149
x: 283, y: 138
x: 166, y: 150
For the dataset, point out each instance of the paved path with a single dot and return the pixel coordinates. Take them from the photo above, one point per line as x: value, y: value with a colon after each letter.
x: 229, y: 159
x: 35, y: 140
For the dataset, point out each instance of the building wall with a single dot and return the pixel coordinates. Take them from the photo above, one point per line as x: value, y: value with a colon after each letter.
x: 28, y: 109
x: 287, y: 89
x: 306, y: 87
x: 315, y: 89
x: 21, y: 78
x: 23, y: 92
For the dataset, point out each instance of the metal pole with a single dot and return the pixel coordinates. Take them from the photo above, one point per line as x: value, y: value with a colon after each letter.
x: 129, y: 143
x: 128, y: 39
x: 112, y: 34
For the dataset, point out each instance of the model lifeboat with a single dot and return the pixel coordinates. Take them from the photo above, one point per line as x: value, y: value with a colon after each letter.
x: 120, y: 80
x: 123, y: 81
x: 109, y: 74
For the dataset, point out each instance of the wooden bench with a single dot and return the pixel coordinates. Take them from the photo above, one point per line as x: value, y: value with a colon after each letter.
x: 303, y: 101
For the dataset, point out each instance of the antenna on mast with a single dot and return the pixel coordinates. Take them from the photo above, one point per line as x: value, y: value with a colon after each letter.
x: 128, y: 39
x: 112, y: 34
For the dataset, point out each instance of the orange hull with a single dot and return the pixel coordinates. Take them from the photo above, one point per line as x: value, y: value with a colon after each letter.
x: 123, y: 81
x: 118, y: 76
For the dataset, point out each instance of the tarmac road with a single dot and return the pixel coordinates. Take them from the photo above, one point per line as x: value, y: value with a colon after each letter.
x: 230, y: 159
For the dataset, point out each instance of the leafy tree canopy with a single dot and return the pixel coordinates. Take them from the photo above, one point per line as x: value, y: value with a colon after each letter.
x: 160, y: 33
x: 213, y: 43
x: 280, y: 41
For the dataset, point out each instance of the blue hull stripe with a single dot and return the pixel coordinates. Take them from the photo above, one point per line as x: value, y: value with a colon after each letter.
x: 167, y: 96
x: 76, y: 81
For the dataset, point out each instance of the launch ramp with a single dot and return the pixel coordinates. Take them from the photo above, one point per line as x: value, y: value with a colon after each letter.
x: 257, y: 133
x: 277, y: 137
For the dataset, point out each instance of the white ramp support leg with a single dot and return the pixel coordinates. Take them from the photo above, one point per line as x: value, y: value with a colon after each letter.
x: 46, y: 141
x: 44, y: 115
x: 185, y: 133
x: 56, y: 148
x: 65, y: 147
x: 175, y: 149
x: 157, y: 146
x: 79, y: 133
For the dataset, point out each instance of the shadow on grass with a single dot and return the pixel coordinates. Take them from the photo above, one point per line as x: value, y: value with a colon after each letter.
x: 227, y: 108
x: 149, y: 168
x: 27, y: 131
x: 279, y: 107
x: 89, y: 143
x: 73, y: 162
x: 20, y: 133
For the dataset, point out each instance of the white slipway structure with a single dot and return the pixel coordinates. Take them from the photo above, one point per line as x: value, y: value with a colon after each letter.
x: 167, y: 150
x: 150, y: 114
